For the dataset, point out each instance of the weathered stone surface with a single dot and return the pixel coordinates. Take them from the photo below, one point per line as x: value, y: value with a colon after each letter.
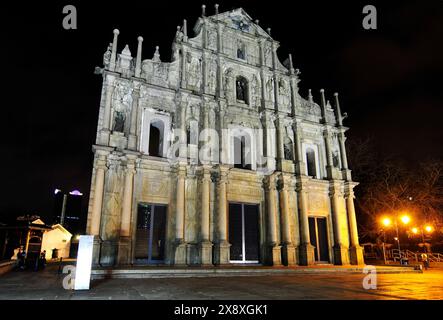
x: 225, y: 105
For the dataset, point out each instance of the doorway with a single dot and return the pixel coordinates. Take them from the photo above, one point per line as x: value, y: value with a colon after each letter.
x: 150, y: 233
x: 318, y: 233
x: 244, y: 235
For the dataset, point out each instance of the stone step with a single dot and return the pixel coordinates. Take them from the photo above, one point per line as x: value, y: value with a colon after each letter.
x: 190, y: 272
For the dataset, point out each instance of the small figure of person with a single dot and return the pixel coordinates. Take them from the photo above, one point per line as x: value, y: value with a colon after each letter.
x: 21, y: 256
x: 42, y: 259
x: 425, y: 259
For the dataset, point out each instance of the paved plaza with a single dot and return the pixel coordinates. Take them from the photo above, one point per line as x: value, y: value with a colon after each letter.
x: 47, y: 284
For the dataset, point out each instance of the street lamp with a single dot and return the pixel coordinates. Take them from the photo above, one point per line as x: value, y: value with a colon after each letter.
x: 386, y: 222
x: 65, y: 199
x: 405, y: 219
x: 422, y: 229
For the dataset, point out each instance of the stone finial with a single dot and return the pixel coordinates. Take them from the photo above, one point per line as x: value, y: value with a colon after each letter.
x: 203, y: 10
x: 125, y: 58
x: 291, y: 66
x: 337, y: 109
x: 156, y: 57
x: 216, y: 8
x: 310, y: 98
x: 126, y: 51
x: 185, y: 30
x: 322, y: 96
x: 256, y: 21
x: 114, y: 50
x: 138, y: 61
x: 268, y: 30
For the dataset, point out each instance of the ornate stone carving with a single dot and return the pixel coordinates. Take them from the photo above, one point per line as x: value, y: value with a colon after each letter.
x: 212, y: 75
x: 212, y: 39
x: 194, y: 71
x: 255, y: 91
x: 270, y: 89
x: 107, y: 56
x: 283, y: 90
x: 122, y: 97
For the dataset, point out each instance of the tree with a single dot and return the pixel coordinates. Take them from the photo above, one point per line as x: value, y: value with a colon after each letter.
x: 388, y: 185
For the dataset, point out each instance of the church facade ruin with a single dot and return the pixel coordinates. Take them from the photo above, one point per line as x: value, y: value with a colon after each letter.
x: 214, y: 158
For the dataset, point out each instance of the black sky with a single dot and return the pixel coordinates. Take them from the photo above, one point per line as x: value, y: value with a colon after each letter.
x: 389, y: 79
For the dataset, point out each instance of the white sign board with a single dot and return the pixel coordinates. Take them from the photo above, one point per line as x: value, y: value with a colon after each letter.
x: 84, y: 263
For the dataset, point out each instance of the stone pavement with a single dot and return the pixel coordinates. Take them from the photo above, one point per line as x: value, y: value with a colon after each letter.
x: 48, y: 285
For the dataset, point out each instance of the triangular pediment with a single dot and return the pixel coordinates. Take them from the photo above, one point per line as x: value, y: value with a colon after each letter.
x: 239, y: 19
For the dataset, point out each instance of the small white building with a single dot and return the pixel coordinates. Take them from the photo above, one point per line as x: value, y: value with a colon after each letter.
x: 58, y: 238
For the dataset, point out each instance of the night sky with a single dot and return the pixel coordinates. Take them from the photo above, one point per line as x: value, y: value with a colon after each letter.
x: 389, y: 79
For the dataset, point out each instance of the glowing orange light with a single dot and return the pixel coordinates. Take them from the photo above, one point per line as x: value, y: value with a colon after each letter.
x: 428, y: 229
x: 386, y: 222
x: 405, y: 219
x: 415, y: 230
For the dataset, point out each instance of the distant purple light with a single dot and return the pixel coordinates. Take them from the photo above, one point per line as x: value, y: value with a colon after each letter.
x: 75, y: 193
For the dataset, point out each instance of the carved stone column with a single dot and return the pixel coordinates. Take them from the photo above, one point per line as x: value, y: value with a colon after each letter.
x: 222, y: 253
x: 329, y: 164
x: 99, y: 184
x: 105, y: 130
x: 132, y: 142
x: 344, y: 160
x: 341, y: 256
x: 300, y: 163
x: 220, y: 91
x: 183, y: 147
x: 288, y: 250
x: 355, y: 251
x: 97, y: 204
x: 124, y: 248
x: 205, y: 243
x: 273, y: 243
x: 306, y: 250
x: 180, y: 250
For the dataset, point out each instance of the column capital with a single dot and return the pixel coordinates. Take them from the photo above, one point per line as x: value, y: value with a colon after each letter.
x: 206, y: 176
x: 285, y: 182
x: 181, y: 172
x: 222, y: 177
x: 130, y: 167
x: 271, y: 182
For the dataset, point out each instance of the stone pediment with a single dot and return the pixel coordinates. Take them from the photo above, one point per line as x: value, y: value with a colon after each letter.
x: 240, y: 20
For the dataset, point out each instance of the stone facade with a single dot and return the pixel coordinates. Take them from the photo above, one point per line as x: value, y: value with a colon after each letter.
x: 222, y: 123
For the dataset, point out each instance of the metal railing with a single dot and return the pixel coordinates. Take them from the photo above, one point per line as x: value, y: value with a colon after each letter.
x: 435, y: 257
x: 396, y: 255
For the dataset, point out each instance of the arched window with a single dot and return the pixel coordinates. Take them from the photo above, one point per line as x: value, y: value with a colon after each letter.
x: 241, y: 88
x: 242, y: 152
x: 156, y: 131
x: 310, y: 158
